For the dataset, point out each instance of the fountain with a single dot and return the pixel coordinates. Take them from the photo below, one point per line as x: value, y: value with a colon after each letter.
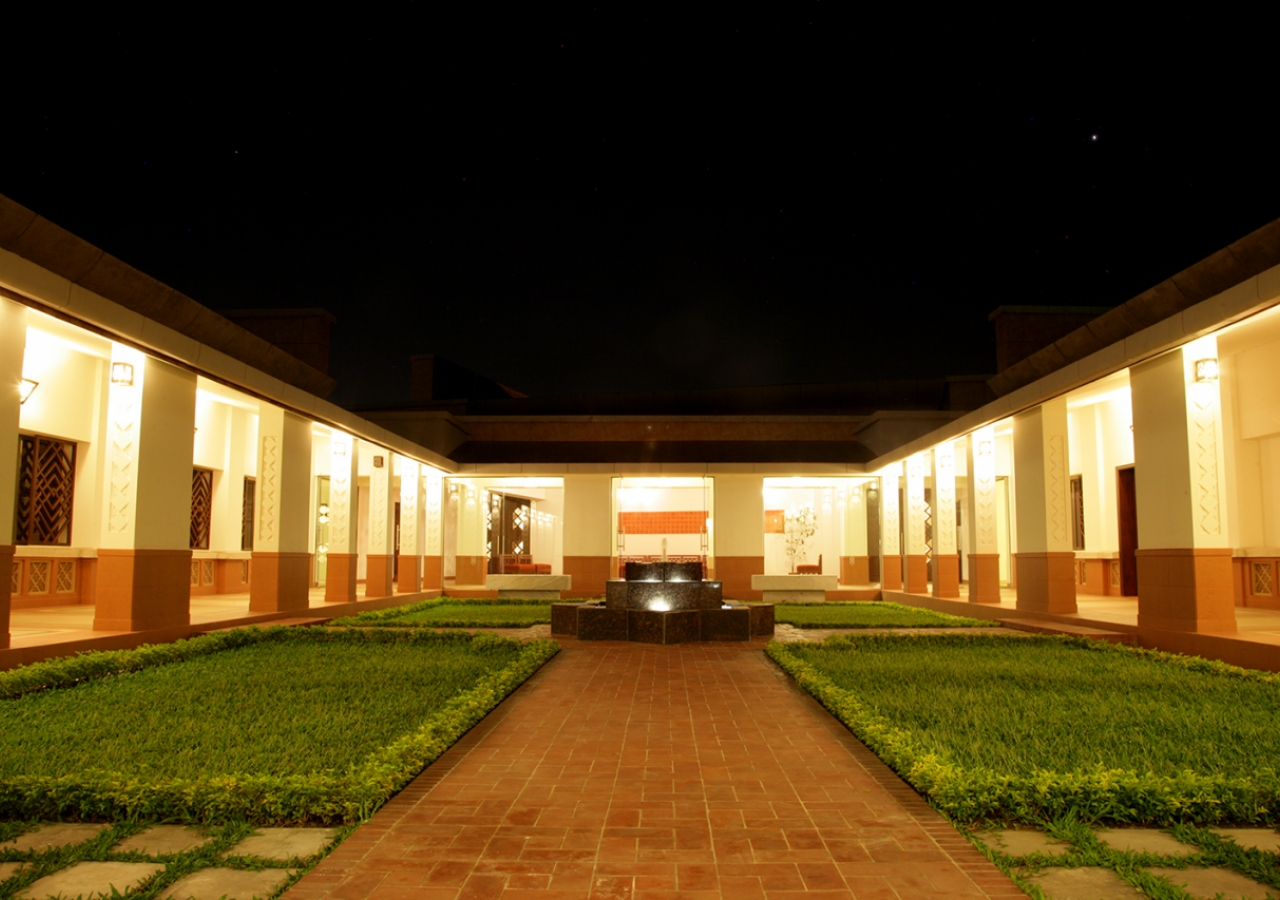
x: 662, y: 603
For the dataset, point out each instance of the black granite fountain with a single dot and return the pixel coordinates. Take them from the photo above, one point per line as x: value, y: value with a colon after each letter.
x: 662, y: 603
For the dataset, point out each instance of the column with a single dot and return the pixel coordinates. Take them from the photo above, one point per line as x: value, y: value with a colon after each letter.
x: 144, y: 557
x: 890, y: 530
x: 344, y: 474
x: 432, y: 535
x: 914, y: 513
x: 380, y: 568
x: 281, y: 578
x: 739, y: 527
x: 472, y: 552
x: 984, y: 560
x: 854, y: 564
x: 1183, y: 556
x: 13, y: 343
x: 409, y: 578
x: 946, y: 562
x: 1045, y: 561
x: 588, y: 533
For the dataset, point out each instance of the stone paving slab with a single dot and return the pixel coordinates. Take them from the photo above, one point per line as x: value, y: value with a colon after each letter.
x: 1084, y: 883
x: 1252, y: 838
x: 231, y: 884
x: 1145, y: 840
x: 55, y: 834
x: 648, y: 772
x: 284, y: 843
x: 90, y: 879
x: 161, y: 840
x: 1207, y: 883
x: 1022, y: 842
x: 8, y: 870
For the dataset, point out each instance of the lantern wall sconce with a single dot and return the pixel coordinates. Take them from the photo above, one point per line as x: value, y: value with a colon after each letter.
x: 122, y: 373
x: 26, y: 389
x: 1206, y: 370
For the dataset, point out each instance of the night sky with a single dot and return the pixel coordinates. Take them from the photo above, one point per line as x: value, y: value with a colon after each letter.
x: 646, y: 197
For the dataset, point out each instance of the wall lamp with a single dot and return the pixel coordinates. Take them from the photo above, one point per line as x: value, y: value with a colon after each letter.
x: 122, y: 373
x: 26, y: 389
x: 1206, y: 370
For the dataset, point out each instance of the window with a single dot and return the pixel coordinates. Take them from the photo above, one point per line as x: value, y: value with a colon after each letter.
x: 201, y: 508
x: 46, y: 490
x: 246, y: 514
x: 1077, y: 512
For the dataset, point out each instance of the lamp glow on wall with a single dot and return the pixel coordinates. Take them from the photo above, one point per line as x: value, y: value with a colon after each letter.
x: 26, y: 389
x: 122, y: 373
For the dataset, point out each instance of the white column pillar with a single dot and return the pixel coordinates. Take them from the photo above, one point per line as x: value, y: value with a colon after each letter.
x: 281, y: 578
x: 854, y: 567
x: 739, y: 533
x: 472, y: 556
x: 1045, y: 560
x: 914, y: 513
x: 381, y: 562
x: 984, y: 560
x: 13, y: 344
x: 890, y: 529
x: 409, y: 577
x: 1184, y: 555
x: 344, y: 547
x: 946, y: 562
x: 432, y: 534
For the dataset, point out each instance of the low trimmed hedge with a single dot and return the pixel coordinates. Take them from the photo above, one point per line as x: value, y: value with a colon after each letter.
x: 421, y: 614
x: 870, y: 614
x: 324, y: 797
x: 925, y: 754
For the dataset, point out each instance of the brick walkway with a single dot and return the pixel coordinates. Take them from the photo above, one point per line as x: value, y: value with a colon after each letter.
x: 634, y: 772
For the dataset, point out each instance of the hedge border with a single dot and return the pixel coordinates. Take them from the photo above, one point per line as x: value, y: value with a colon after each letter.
x: 950, y: 620
x: 979, y: 794
x: 388, y: 618
x: 261, y: 799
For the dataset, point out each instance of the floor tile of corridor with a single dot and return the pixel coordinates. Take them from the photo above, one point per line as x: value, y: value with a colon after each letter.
x: 640, y: 772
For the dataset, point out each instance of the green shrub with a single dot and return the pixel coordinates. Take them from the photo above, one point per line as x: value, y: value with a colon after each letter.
x: 1037, y: 728
x: 454, y: 612
x: 870, y: 614
x: 273, y: 726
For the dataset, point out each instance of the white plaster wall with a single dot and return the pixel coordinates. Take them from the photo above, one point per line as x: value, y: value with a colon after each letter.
x: 739, y: 515
x: 588, y: 502
x: 165, y: 447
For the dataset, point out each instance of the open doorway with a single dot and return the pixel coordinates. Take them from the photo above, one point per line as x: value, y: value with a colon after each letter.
x: 1127, y: 530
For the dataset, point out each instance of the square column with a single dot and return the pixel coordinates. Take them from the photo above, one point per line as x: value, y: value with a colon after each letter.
x: 890, y: 530
x: 144, y: 557
x: 738, y: 525
x: 472, y: 566
x: 343, y: 555
x: 854, y: 563
x: 1045, y: 560
x: 946, y: 562
x: 432, y: 536
x: 13, y: 344
x: 409, y: 579
x: 1184, y: 555
x: 915, y: 512
x: 380, y: 568
x: 984, y: 561
x: 281, y: 577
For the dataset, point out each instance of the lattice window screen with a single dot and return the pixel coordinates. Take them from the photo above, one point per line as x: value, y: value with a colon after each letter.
x: 195, y: 573
x: 244, y: 571
x: 46, y: 490
x: 201, y: 508
x: 38, y: 576
x: 65, y: 576
x: 246, y: 514
x: 1115, y: 573
x: 207, y: 567
x: 1077, y: 512
x: 1263, y: 579
x: 15, y: 580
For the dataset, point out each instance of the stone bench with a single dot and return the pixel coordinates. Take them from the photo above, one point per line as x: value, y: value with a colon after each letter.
x: 532, y: 587
x: 794, y: 588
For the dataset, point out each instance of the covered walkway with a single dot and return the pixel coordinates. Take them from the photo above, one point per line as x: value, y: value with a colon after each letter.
x: 643, y: 772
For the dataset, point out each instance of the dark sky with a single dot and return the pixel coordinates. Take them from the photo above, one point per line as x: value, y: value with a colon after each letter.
x: 645, y: 197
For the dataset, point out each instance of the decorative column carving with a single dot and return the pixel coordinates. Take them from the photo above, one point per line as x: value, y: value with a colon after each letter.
x: 854, y: 568
x: 432, y: 535
x: 1045, y: 559
x: 946, y: 562
x: 915, y: 514
x: 13, y: 343
x: 380, y: 568
x: 890, y: 529
x: 344, y: 470
x: 408, y: 574
x: 984, y: 560
x: 281, y: 577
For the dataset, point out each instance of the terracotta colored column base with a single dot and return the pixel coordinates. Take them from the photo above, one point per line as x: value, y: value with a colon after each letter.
x: 1046, y: 582
x: 917, y: 574
x: 340, y: 578
x: 6, y: 583
x: 855, y: 570
x: 140, y: 590
x: 472, y: 570
x: 891, y: 573
x: 408, y: 581
x: 432, y: 573
x: 984, y: 577
x: 233, y: 576
x: 733, y: 572
x: 280, y: 581
x: 1186, y: 589
x: 379, y: 572
x: 946, y: 576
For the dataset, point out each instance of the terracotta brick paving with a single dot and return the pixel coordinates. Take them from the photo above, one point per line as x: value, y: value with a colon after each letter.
x: 632, y: 772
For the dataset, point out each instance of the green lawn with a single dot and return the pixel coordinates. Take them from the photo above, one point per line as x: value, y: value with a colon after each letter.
x: 449, y: 613
x: 292, y: 724
x: 1032, y: 728
x: 869, y: 614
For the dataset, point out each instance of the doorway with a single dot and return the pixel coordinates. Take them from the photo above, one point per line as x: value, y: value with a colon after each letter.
x: 1127, y: 529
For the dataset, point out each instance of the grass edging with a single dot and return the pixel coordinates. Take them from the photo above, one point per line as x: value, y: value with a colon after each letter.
x: 260, y: 799
x: 1104, y: 795
x: 391, y: 616
x: 843, y: 614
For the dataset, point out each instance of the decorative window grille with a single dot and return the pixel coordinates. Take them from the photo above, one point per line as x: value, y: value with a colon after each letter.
x: 1263, y: 579
x: 46, y: 490
x: 1077, y: 512
x: 246, y: 514
x: 207, y: 568
x: 1115, y: 573
x: 38, y: 576
x: 201, y: 508
x: 15, y: 580
x: 65, y: 576
x: 244, y: 571
x: 195, y: 573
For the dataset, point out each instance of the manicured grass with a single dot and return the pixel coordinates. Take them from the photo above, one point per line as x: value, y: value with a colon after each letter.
x: 453, y: 612
x: 274, y: 725
x: 870, y: 614
x: 1033, y: 728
